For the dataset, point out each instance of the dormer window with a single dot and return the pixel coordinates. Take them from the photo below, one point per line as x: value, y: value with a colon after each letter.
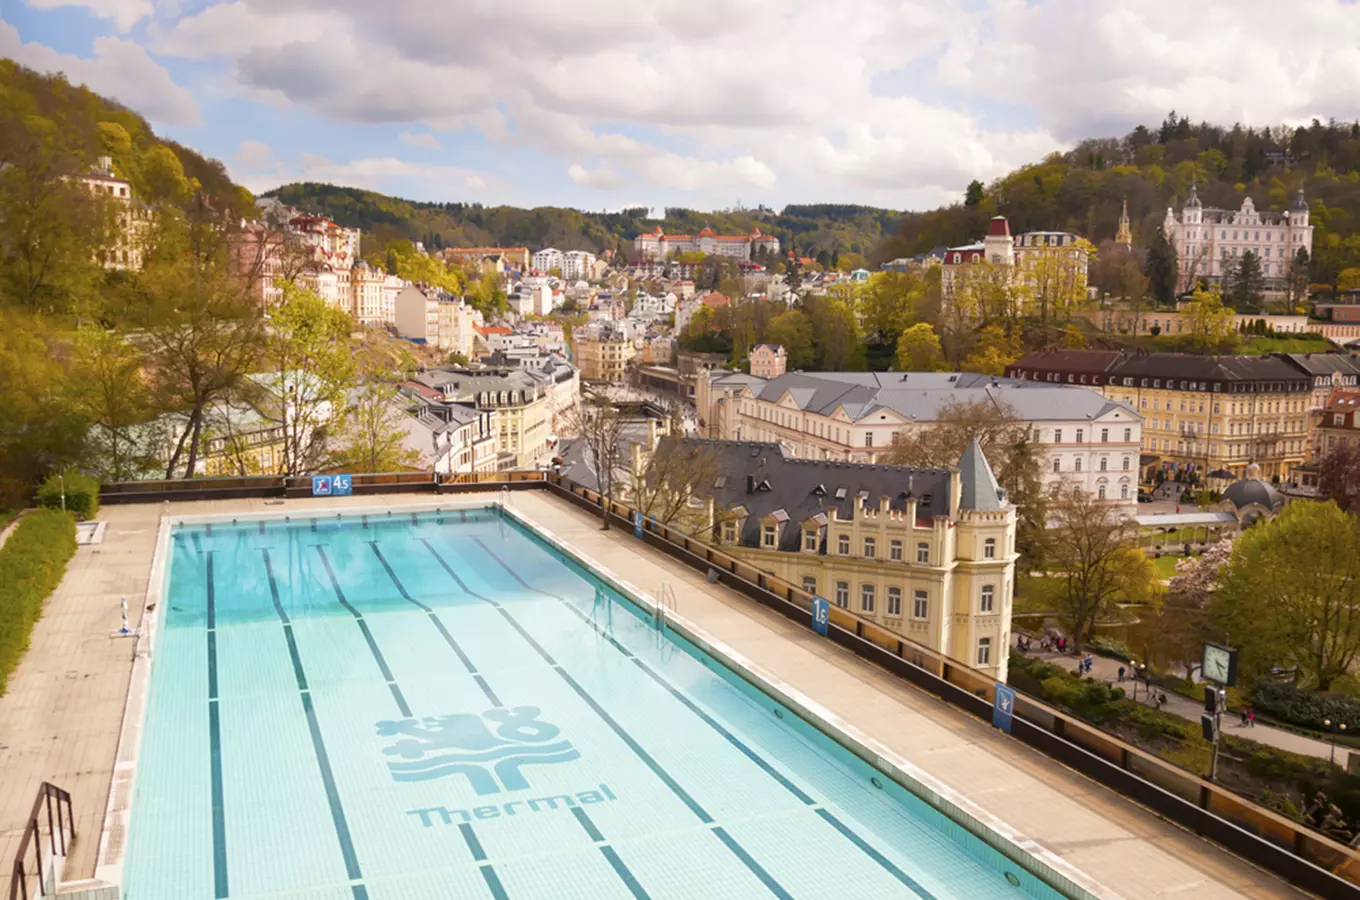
x: 729, y: 532
x: 769, y: 534
x: 810, y: 540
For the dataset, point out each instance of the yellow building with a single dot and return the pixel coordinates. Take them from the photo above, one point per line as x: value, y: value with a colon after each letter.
x: 926, y: 553
x: 603, y: 355
x: 1200, y: 413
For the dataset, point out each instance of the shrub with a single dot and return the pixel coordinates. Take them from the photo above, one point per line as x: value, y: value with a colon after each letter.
x: 32, y: 563
x: 1305, y: 708
x: 81, y: 494
x: 1111, y: 647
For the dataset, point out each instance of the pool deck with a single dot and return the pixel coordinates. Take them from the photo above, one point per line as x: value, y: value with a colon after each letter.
x: 61, y: 719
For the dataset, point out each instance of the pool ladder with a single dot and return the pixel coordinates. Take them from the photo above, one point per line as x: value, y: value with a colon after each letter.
x: 665, y: 600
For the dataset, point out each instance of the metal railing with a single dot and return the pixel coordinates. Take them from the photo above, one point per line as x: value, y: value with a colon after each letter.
x: 665, y: 602
x: 59, y: 833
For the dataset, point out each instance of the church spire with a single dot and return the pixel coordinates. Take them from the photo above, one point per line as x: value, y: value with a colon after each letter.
x: 1124, y: 236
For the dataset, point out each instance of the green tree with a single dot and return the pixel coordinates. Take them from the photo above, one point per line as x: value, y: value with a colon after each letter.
x: 973, y: 196
x: 1055, y: 280
x: 836, y: 336
x: 890, y: 303
x: 108, y: 390
x: 1298, y: 278
x: 1211, y: 323
x: 1246, y: 284
x: 1091, y: 546
x: 793, y: 330
x: 919, y: 350
x: 313, y: 372
x: 1290, y: 596
x: 371, y: 433
x: 40, y: 429
x: 1160, y: 268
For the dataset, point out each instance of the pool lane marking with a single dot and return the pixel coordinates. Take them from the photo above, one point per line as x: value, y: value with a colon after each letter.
x: 694, y: 806
x: 474, y: 846
x: 219, y: 810
x: 439, y: 624
x: 318, y: 744
x: 489, y: 873
x: 849, y: 833
x: 610, y: 854
x: 368, y: 635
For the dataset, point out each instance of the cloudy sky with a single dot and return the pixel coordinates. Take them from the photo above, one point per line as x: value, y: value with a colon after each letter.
x: 600, y: 104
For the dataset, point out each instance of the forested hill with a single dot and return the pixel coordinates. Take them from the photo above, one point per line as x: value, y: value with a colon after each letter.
x: 814, y: 229
x: 78, y: 126
x: 1153, y: 168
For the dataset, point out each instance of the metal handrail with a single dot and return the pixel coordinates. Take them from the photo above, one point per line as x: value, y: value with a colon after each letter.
x: 665, y: 600
x: 60, y: 833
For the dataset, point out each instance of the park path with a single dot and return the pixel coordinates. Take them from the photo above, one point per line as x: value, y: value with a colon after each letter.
x: 1108, y: 670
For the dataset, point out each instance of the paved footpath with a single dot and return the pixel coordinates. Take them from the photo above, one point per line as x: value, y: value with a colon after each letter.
x: 1107, y: 669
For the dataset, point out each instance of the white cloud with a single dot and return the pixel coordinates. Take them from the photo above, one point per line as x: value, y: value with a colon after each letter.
x: 255, y: 156
x: 428, y: 141
x: 723, y: 99
x: 122, y: 13
x: 386, y: 174
x: 118, y: 68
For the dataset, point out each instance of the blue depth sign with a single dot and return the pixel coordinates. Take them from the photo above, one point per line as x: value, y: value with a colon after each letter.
x: 1003, y: 707
x: 331, y: 486
x: 637, y: 523
x: 821, y: 615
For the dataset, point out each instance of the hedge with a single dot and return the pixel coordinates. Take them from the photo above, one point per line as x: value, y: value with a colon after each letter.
x: 32, y: 563
x: 1305, y: 708
x: 79, y: 494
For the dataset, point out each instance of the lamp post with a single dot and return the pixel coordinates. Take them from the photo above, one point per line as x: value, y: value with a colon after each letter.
x: 1340, y: 728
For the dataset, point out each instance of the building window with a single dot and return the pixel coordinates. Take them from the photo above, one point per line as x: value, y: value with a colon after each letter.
x: 923, y: 554
x: 894, y: 601
x: 1128, y: 435
x: 868, y: 439
x: 1104, y: 464
x: 810, y: 540
x: 767, y: 534
x: 895, y: 551
x: 729, y: 532
x: 843, y: 545
x: 870, y: 548
x: 866, y: 598
x: 989, y: 548
x: 810, y: 584
x: 1100, y: 492
x: 1081, y: 435
x: 1057, y: 465
x: 1057, y: 435
x: 984, y: 655
x: 1123, y: 492
x: 920, y: 605
x: 1104, y: 435
x: 843, y: 594
x: 1127, y: 462
x: 988, y: 600
x: 1076, y: 466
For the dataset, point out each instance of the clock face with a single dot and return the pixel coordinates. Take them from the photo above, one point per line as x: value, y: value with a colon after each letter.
x: 1217, y: 662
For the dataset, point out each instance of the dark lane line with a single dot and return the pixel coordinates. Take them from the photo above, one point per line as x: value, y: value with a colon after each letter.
x: 368, y: 635
x: 323, y: 763
x: 219, y: 810
x: 693, y: 805
x: 439, y: 624
x: 845, y: 830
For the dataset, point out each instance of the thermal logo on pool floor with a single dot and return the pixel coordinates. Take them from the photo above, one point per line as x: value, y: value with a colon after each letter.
x: 488, y: 749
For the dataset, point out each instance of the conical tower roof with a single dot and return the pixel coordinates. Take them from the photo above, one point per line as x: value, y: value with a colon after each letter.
x: 980, y: 490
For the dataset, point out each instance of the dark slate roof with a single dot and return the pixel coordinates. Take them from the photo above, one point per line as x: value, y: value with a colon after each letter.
x: 758, y: 477
x: 1162, y: 365
x: 1325, y: 363
x: 1253, y: 490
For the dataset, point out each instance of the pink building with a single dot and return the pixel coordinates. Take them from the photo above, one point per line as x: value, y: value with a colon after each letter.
x: 768, y: 360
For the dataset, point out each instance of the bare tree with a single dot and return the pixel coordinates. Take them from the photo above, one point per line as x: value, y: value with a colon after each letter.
x: 675, y: 472
x: 1092, y: 548
x: 599, y: 425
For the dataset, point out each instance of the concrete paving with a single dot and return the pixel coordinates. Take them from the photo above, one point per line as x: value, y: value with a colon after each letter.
x: 60, y: 720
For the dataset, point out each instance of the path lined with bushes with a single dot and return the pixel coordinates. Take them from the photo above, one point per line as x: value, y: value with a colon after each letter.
x: 32, y: 562
x: 1105, y: 669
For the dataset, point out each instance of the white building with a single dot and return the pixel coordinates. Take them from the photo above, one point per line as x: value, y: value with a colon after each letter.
x: 659, y: 245
x: 547, y: 259
x: 1014, y: 258
x: 532, y: 300
x: 441, y: 321
x: 578, y: 264
x: 1083, y: 438
x: 1209, y: 241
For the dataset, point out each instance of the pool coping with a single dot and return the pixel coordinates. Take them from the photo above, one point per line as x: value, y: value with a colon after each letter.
x: 1024, y: 851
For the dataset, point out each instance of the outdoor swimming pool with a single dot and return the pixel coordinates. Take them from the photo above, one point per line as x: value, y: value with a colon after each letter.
x: 441, y: 706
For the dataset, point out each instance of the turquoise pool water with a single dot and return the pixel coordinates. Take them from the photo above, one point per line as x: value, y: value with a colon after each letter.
x: 443, y: 707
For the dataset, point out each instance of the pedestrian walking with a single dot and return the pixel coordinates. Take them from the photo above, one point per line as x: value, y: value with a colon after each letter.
x: 1121, y: 673
x: 1243, y: 711
x: 1251, y: 718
